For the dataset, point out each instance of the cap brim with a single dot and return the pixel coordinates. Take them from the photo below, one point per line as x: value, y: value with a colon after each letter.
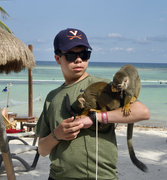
x: 72, y: 45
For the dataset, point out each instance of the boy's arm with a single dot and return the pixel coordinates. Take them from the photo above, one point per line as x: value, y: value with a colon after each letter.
x: 139, y: 112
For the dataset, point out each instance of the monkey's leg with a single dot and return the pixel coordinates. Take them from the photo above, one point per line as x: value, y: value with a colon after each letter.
x: 133, y: 99
x: 126, y: 107
x: 86, y: 112
x: 133, y: 157
x: 96, y: 110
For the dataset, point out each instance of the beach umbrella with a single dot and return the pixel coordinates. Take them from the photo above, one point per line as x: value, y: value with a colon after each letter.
x: 14, y: 56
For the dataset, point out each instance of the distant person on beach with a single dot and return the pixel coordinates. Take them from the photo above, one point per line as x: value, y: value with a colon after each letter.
x: 5, y: 89
x: 69, y: 142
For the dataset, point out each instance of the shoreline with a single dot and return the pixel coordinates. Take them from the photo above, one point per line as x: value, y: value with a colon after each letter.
x: 146, y: 127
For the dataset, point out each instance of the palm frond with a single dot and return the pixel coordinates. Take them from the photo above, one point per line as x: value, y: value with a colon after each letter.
x: 3, y: 26
x: 4, y: 14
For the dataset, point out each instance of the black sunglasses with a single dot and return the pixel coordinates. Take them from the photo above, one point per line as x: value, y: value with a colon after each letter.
x: 72, y: 56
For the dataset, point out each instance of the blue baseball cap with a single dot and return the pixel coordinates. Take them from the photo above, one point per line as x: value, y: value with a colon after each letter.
x: 69, y: 38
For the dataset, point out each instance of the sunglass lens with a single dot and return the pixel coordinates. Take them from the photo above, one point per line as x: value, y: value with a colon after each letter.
x: 71, y: 57
x: 85, y: 55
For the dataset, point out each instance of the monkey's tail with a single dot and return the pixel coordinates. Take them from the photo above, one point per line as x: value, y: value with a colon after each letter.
x: 133, y: 157
x: 68, y: 106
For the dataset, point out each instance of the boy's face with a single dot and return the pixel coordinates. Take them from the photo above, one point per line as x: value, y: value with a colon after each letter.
x: 73, y: 71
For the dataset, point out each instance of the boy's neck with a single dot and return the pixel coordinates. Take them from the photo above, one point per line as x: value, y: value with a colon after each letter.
x: 68, y: 82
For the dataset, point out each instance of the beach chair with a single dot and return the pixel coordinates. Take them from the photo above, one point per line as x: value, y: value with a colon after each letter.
x: 11, y: 151
x: 19, y: 148
x: 9, y: 124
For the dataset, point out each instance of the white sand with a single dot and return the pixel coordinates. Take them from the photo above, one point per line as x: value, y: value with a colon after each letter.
x: 150, y: 146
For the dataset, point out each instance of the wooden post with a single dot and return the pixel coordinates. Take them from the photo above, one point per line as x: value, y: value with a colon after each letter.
x: 5, y: 151
x: 30, y: 99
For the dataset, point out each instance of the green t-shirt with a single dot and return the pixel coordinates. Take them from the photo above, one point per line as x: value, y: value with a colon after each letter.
x: 76, y: 159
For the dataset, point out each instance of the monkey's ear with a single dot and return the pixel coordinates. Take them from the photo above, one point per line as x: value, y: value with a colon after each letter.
x: 81, y: 100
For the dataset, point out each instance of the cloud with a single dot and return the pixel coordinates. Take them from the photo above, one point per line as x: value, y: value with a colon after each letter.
x: 147, y: 40
x: 40, y: 41
x: 115, y: 35
x: 161, y: 38
x: 142, y: 41
x: 119, y: 49
x: 130, y: 49
x: 98, y: 49
x: 49, y: 49
x: 115, y: 49
x: 36, y: 49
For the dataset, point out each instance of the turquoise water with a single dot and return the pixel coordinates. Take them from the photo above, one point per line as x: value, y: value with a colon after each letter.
x: 48, y: 76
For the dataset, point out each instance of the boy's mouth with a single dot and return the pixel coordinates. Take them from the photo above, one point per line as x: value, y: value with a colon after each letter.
x: 78, y: 68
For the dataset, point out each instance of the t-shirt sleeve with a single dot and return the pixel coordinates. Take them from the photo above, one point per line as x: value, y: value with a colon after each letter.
x: 43, y: 127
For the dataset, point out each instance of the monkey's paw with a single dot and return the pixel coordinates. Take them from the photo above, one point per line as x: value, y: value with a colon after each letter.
x: 126, y: 110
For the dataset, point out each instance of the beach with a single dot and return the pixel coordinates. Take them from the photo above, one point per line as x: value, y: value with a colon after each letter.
x: 150, y: 145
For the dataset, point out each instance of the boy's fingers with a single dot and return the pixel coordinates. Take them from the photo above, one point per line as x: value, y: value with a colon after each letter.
x: 69, y: 120
x: 75, y: 128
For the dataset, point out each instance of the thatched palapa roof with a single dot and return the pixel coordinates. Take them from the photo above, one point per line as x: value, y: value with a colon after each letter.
x: 14, y: 54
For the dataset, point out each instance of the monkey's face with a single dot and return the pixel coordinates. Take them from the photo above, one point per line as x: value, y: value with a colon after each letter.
x: 114, y: 88
x: 119, y: 84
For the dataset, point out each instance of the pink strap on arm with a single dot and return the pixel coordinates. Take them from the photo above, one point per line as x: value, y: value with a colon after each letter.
x: 105, y: 117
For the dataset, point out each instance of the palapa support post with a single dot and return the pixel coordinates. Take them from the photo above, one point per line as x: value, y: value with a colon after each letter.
x: 30, y: 100
x: 4, y: 148
x: 12, y: 51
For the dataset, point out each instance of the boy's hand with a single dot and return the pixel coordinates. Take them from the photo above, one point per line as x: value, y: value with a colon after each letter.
x: 68, y: 129
x: 85, y: 120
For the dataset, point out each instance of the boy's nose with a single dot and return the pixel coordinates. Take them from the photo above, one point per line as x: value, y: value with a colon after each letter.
x: 78, y: 60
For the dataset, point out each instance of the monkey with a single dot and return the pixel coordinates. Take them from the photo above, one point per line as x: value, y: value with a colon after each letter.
x: 102, y: 96
x: 127, y: 80
x: 99, y: 97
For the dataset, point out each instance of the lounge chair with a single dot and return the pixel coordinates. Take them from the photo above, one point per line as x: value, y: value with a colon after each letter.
x: 19, y: 148
x: 11, y: 151
x: 9, y: 124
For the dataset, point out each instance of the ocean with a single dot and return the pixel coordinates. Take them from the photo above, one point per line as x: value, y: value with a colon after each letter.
x: 47, y: 76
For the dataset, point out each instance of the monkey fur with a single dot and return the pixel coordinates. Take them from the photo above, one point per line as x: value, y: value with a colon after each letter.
x: 99, y: 97
x: 127, y: 80
x: 102, y: 96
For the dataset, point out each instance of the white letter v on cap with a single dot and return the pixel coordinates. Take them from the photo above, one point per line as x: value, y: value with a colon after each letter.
x: 74, y: 33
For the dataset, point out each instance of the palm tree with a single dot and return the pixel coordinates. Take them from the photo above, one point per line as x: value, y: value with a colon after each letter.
x: 4, y: 15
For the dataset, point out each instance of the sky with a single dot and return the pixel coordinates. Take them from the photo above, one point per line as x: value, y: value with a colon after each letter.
x: 117, y: 30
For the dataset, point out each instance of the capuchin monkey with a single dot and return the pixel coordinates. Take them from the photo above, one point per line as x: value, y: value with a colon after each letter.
x: 107, y: 97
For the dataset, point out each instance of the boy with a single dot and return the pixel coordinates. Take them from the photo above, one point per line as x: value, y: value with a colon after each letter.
x: 70, y: 143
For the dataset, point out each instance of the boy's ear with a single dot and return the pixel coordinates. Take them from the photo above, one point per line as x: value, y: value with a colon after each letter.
x: 57, y: 58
